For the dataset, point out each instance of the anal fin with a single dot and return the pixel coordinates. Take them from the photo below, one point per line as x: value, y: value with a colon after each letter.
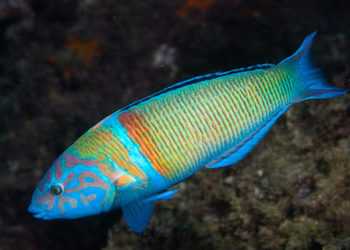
x: 240, y: 150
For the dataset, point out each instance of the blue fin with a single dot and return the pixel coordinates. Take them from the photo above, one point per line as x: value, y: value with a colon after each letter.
x: 162, y: 196
x: 137, y: 215
x: 317, y: 87
x: 240, y: 150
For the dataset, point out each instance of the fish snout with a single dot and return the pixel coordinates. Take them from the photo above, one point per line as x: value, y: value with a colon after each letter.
x: 35, y: 210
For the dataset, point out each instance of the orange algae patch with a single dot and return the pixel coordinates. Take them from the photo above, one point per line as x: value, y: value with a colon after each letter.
x: 85, y: 50
x: 252, y: 13
x: 140, y: 134
x: 52, y: 59
x: 202, y: 5
x: 67, y: 74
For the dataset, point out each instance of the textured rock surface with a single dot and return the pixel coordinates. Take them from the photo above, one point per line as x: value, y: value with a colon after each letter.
x: 66, y: 64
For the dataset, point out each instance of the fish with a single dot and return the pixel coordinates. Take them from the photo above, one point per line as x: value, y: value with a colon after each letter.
x: 132, y: 158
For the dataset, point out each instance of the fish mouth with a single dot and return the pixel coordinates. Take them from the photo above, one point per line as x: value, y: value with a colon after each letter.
x: 40, y: 214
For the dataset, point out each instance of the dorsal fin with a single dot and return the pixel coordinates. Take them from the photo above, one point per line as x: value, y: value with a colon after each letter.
x: 198, y: 79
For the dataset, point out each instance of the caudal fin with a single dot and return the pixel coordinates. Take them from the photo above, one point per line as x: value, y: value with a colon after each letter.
x: 316, y: 86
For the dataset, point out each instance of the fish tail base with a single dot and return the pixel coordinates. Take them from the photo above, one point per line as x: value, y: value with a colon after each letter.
x: 314, y: 83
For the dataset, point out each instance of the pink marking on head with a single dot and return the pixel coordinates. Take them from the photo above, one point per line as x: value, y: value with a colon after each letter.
x: 84, y: 199
x: 98, y: 182
x: 62, y: 199
x: 47, y: 179
x: 46, y: 199
x: 73, y: 160
x: 69, y: 178
x: 91, y: 197
x: 59, y: 170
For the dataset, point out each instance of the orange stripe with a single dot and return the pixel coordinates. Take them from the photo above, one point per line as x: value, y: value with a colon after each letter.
x: 139, y: 132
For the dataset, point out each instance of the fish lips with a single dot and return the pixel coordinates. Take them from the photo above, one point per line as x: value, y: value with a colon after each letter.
x: 38, y: 213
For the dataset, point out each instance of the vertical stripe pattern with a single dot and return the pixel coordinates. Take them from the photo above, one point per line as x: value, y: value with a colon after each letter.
x: 184, y: 129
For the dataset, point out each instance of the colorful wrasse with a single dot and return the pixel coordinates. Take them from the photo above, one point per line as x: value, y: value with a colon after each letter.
x: 133, y: 156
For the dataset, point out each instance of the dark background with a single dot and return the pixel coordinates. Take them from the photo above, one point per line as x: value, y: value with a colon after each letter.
x: 65, y: 65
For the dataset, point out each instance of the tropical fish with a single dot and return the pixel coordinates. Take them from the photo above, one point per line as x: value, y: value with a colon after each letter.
x: 131, y: 158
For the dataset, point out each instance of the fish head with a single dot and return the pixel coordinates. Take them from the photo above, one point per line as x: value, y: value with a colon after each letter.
x: 74, y: 187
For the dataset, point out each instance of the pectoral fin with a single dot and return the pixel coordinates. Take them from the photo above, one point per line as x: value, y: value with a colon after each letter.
x: 161, y: 196
x: 137, y: 215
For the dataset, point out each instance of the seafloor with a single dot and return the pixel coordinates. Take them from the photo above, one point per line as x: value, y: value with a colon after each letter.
x: 64, y: 65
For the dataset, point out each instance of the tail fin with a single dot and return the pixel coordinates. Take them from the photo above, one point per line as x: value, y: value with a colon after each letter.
x: 317, y: 87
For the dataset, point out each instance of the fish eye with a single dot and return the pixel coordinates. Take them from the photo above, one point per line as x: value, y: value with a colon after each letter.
x: 56, y: 189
